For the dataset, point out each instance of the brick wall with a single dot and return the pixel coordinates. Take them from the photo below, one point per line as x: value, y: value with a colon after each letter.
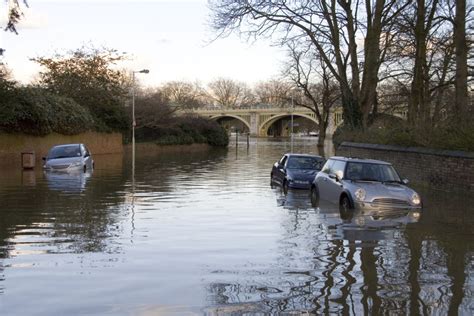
x: 447, y: 170
x: 12, y: 145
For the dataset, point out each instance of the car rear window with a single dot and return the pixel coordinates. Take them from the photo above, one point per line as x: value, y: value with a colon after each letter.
x: 301, y: 162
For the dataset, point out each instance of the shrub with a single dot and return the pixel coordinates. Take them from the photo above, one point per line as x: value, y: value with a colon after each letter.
x: 88, y: 76
x: 184, y: 130
x: 111, y: 118
x: 36, y: 112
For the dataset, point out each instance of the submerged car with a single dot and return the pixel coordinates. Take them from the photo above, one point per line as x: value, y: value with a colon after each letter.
x: 362, y: 184
x: 69, y: 157
x: 296, y: 170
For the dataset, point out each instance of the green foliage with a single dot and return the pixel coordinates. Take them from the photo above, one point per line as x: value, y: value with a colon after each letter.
x: 184, y: 131
x: 87, y: 76
x: 36, y: 112
x: 446, y: 136
x: 181, y: 139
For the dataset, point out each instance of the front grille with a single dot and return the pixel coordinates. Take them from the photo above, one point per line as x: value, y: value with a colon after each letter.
x: 389, y: 203
x: 60, y: 166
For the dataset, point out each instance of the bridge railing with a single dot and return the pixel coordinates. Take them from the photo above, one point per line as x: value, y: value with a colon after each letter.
x: 244, y: 107
x: 249, y: 109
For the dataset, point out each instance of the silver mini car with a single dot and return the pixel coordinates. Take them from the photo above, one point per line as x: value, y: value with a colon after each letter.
x: 68, y: 157
x: 364, y: 184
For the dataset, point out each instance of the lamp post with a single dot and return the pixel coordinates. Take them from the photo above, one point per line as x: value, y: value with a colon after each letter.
x: 134, y: 123
x: 292, y: 110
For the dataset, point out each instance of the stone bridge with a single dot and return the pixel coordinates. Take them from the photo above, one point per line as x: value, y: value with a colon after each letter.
x: 259, y: 120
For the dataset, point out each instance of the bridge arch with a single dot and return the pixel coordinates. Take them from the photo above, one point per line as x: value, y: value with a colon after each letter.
x: 217, y: 117
x: 265, y: 125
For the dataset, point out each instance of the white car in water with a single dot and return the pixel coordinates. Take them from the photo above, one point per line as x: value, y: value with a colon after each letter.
x: 363, y: 184
x: 68, y: 157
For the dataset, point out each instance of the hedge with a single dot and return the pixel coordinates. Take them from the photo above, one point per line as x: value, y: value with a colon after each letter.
x: 184, y: 130
x: 36, y: 112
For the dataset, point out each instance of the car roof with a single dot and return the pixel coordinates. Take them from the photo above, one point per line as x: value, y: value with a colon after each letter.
x: 67, y: 145
x: 302, y: 155
x: 360, y: 160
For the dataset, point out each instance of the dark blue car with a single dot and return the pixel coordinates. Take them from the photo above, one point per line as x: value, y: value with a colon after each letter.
x: 296, y: 171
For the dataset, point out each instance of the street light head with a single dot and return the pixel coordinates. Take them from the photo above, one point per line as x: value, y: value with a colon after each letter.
x: 144, y: 71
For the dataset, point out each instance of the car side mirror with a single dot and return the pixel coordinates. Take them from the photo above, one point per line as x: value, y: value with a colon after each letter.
x: 86, y: 155
x: 405, y: 181
x: 44, y: 158
x: 336, y: 176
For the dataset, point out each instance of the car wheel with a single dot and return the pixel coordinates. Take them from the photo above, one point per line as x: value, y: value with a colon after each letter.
x: 345, y: 207
x: 271, y: 180
x: 314, y: 195
x: 85, y: 168
x: 285, y: 187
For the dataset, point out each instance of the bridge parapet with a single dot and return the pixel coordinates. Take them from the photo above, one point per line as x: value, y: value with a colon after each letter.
x: 259, y: 119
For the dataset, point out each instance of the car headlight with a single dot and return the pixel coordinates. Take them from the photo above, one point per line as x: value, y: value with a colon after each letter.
x: 360, y: 194
x: 415, y: 199
x: 75, y: 164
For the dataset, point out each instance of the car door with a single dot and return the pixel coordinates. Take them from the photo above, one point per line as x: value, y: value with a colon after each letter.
x: 322, y: 179
x: 87, y: 157
x: 333, y: 184
x: 279, y: 173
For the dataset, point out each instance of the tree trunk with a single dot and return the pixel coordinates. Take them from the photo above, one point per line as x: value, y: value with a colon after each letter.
x: 323, y: 124
x: 417, y: 98
x: 372, y: 60
x: 322, y: 134
x: 461, y: 60
x: 351, y: 113
x: 436, y: 118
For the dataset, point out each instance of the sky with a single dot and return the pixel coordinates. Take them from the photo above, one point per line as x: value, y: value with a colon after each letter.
x: 172, y: 39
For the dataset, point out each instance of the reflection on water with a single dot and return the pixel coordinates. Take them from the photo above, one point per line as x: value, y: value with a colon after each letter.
x: 67, y: 181
x: 203, y: 232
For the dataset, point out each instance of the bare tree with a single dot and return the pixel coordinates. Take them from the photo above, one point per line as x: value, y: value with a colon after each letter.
x: 424, y: 60
x: 460, y: 43
x: 14, y: 14
x: 153, y: 109
x: 230, y: 94
x: 184, y: 95
x: 272, y: 92
x: 314, y: 81
x: 423, y: 31
x: 332, y: 27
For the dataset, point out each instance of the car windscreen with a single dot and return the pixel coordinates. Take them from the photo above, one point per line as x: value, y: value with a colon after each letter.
x: 301, y: 162
x: 64, y: 152
x: 371, y: 172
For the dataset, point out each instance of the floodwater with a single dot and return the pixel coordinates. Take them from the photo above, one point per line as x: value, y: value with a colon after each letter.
x: 204, y: 233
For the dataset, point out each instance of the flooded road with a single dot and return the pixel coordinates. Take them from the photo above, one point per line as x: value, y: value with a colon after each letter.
x: 204, y: 233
